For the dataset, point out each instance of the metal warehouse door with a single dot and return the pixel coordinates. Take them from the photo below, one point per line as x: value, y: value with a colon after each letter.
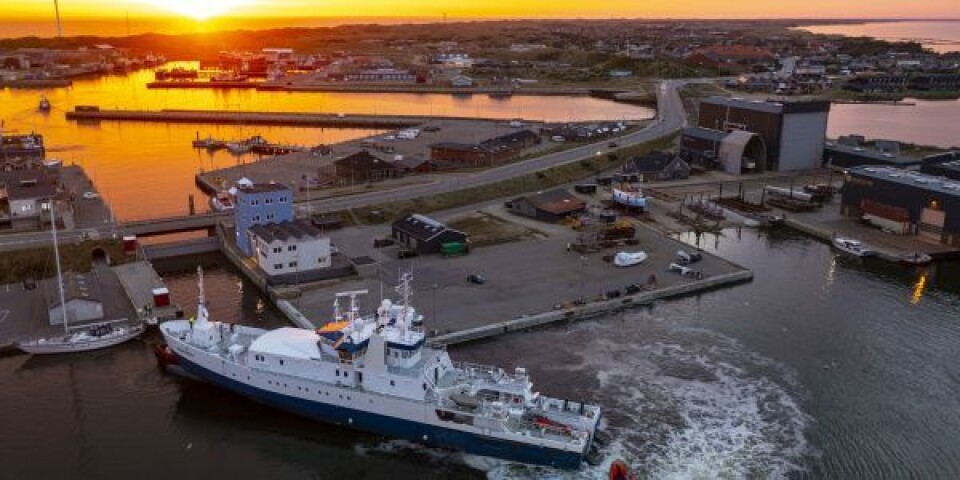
x: 931, y: 223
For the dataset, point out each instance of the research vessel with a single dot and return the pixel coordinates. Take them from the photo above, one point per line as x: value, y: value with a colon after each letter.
x: 377, y: 373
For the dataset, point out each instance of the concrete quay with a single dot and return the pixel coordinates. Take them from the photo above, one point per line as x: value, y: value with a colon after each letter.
x: 530, y: 283
x: 124, y: 290
x: 292, y: 119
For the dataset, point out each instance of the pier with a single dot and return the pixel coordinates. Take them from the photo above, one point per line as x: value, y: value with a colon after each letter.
x: 320, y: 120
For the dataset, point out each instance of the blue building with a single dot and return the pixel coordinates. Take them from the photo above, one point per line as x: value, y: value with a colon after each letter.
x: 260, y: 204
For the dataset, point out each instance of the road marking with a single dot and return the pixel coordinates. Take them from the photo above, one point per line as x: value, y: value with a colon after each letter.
x: 4, y: 314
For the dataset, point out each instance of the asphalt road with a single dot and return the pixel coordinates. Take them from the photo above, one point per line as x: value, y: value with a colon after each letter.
x: 670, y: 117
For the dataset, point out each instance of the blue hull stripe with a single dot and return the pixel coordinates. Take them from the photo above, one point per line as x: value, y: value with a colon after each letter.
x: 392, y: 426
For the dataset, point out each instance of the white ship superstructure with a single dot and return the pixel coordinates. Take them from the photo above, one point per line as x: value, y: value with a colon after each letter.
x: 376, y: 373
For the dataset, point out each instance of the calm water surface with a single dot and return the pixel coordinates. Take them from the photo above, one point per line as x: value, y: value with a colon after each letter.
x: 940, y: 36
x: 824, y: 367
x: 146, y: 169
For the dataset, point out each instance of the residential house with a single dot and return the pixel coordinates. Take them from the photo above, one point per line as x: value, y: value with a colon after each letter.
x: 290, y: 248
x: 657, y: 166
x: 25, y: 197
x: 259, y: 204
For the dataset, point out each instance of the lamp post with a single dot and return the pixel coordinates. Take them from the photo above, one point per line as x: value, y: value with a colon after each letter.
x: 435, y: 301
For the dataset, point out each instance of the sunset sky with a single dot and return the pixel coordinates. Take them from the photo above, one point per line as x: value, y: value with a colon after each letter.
x: 199, y: 9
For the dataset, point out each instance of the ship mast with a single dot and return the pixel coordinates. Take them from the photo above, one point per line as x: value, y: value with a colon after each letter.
x: 56, y: 254
x: 56, y: 9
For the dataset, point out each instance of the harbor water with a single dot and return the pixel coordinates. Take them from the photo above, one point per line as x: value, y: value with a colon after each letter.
x: 824, y: 366
x: 146, y: 170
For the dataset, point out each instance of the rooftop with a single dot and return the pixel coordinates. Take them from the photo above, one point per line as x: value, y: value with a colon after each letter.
x: 22, y: 184
x: 910, y: 178
x: 556, y: 201
x: 770, y: 106
x: 263, y: 187
x: 284, y: 231
x: 420, y: 226
x: 874, y: 154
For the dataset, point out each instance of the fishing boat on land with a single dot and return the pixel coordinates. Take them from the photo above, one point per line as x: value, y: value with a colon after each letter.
x: 629, y: 196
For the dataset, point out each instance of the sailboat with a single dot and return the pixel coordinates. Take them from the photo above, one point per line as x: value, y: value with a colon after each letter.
x: 85, y: 338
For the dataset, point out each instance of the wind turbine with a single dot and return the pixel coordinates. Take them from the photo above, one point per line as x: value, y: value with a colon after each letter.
x: 56, y: 8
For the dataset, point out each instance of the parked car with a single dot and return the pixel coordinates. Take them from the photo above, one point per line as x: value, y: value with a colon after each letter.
x: 476, y: 279
x: 29, y: 284
x: 612, y: 294
x: 632, y: 289
x: 686, y: 258
x: 91, y: 195
x: 612, y: 145
x: 685, y: 271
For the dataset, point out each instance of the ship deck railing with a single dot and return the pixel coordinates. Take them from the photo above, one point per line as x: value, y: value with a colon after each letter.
x: 475, y: 371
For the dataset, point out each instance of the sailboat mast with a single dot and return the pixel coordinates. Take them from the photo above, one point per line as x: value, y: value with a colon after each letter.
x: 56, y: 254
x: 56, y: 9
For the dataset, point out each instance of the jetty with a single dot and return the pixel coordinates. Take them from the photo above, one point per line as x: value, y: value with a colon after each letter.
x: 320, y: 120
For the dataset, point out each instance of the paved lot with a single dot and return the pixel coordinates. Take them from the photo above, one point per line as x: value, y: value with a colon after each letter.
x: 524, y: 277
x: 23, y: 313
x: 290, y: 169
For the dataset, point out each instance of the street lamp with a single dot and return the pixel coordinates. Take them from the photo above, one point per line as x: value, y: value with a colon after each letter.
x: 435, y: 302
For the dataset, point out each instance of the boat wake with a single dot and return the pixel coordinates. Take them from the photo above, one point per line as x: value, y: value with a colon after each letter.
x: 684, y: 403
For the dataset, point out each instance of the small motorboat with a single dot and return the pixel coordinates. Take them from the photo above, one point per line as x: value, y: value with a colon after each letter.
x: 852, y: 247
x: 629, y: 259
x: 44, y: 104
x: 222, y: 202
x: 916, y: 258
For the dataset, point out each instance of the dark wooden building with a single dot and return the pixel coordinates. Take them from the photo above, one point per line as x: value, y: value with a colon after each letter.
x: 549, y: 206
x: 489, y: 152
x: 423, y: 234
x: 657, y: 166
x: 362, y: 167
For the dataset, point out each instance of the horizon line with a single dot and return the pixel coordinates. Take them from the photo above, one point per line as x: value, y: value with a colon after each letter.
x: 466, y: 17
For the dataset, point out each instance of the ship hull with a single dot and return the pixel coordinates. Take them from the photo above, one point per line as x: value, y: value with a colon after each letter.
x: 423, y: 433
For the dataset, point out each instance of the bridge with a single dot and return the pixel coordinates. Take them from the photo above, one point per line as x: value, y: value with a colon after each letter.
x: 168, y: 225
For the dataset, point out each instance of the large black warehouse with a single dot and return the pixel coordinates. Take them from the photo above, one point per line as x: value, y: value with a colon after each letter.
x: 904, y: 201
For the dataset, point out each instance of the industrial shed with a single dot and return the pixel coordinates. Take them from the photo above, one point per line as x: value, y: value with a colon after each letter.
x: 549, y: 206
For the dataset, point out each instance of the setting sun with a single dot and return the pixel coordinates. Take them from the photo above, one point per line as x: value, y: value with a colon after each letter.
x: 199, y: 9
